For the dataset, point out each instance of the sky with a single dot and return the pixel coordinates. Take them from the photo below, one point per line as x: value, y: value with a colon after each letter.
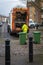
x: 7, y: 5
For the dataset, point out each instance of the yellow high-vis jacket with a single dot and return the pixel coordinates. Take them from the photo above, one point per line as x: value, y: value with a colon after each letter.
x: 25, y: 28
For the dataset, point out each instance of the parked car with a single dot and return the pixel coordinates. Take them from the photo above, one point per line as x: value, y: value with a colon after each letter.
x: 0, y: 24
x: 33, y: 24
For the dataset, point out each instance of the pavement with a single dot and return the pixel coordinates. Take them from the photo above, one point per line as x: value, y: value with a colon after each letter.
x: 19, y: 54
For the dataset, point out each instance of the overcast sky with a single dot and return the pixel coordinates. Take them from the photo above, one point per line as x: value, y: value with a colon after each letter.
x: 7, y: 5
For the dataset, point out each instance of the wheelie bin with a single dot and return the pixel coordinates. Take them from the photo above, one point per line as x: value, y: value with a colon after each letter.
x: 36, y: 36
x: 22, y: 38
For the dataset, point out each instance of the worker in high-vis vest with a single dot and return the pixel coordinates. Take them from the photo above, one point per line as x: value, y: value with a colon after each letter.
x: 25, y: 29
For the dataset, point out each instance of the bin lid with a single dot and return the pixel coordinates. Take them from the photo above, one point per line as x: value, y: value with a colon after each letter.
x: 36, y: 32
x: 22, y: 33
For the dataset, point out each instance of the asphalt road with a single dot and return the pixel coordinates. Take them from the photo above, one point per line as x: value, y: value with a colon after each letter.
x: 4, y: 34
x: 3, y: 31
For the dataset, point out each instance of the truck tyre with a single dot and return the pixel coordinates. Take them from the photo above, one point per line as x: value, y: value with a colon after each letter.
x: 8, y: 28
x: 10, y: 32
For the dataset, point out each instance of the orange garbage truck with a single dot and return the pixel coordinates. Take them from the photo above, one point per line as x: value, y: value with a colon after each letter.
x: 17, y: 17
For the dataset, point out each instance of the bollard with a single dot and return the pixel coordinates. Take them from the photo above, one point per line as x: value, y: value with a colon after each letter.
x: 30, y: 49
x: 7, y: 52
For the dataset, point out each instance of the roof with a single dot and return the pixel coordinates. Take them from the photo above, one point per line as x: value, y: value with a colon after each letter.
x: 3, y: 16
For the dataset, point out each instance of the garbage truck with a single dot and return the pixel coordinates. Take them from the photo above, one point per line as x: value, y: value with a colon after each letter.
x: 17, y: 17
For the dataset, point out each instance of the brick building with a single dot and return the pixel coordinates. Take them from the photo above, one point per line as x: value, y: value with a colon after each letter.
x: 35, y: 10
x: 41, y: 10
x: 3, y: 18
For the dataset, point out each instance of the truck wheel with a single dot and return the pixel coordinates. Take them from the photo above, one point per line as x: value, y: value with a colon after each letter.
x: 8, y: 28
x: 10, y: 32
